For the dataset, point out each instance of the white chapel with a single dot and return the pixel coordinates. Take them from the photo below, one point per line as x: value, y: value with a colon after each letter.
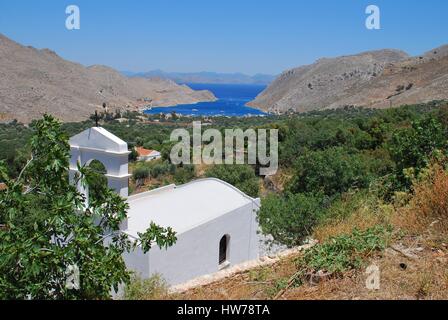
x: 215, y: 222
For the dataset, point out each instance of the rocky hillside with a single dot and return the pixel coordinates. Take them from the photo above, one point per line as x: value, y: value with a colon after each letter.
x: 376, y: 79
x: 35, y: 81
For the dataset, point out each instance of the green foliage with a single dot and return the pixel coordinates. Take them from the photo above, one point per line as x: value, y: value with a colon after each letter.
x: 277, y: 285
x: 96, y: 180
x: 163, y: 237
x: 14, y: 148
x: 154, y: 287
x: 133, y: 155
x: 140, y: 173
x: 165, y: 149
x: 184, y: 174
x: 241, y: 176
x: 333, y: 152
x: 152, y: 145
x: 47, y: 228
x: 290, y: 219
x: 260, y: 274
x: 344, y: 206
x: 330, y: 171
x: 161, y: 169
x: 344, y: 252
x: 330, y: 152
x: 412, y: 148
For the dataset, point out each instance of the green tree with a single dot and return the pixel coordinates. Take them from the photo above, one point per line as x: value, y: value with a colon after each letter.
x: 140, y: 173
x: 331, y: 171
x: 289, y: 219
x: 241, y: 176
x: 46, y: 228
x: 412, y: 148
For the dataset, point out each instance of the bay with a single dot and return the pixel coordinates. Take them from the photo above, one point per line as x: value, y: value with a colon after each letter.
x: 232, y: 100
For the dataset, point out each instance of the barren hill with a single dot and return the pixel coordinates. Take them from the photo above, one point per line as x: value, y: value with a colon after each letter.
x: 35, y: 81
x: 375, y: 79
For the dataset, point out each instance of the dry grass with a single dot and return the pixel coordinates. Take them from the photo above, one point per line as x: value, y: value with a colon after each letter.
x: 279, y: 180
x: 366, y: 216
x: 4, y: 116
x: 259, y: 283
x: 428, y: 208
x: 423, y: 278
x: 282, y: 178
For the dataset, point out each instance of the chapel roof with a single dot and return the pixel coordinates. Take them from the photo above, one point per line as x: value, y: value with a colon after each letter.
x: 184, y: 207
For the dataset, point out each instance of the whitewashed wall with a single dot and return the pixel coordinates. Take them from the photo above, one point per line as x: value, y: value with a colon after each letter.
x: 196, y: 251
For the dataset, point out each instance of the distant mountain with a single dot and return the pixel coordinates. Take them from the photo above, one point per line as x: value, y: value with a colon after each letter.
x: 375, y: 79
x: 205, y: 77
x: 34, y: 81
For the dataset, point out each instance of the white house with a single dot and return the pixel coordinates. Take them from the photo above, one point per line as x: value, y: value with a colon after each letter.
x: 147, y: 155
x: 215, y: 222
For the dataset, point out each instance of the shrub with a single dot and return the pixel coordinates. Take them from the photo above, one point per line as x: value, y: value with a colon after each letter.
x: 154, y: 287
x: 344, y: 252
x: 184, y: 174
x: 161, y: 169
x: 290, y: 219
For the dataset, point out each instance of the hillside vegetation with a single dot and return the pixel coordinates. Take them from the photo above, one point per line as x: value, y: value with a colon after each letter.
x: 406, y: 241
x: 369, y: 185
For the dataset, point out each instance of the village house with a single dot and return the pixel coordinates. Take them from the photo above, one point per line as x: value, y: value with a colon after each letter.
x: 215, y: 222
x: 146, y: 154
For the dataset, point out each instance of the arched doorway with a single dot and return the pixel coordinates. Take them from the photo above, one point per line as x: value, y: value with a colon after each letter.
x: 224, y: 249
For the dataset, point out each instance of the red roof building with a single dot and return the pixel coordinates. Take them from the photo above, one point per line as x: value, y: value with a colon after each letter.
x: 146, y: 154
x: 142, y: 152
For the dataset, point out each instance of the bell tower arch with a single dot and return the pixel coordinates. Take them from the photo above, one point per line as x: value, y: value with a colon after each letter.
x: 97, y: 143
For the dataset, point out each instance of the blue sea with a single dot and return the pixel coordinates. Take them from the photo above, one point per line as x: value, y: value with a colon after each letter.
x: 232, y: 99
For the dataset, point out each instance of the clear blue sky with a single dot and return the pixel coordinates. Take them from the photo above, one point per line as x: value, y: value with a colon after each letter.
x: 250, y: 36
